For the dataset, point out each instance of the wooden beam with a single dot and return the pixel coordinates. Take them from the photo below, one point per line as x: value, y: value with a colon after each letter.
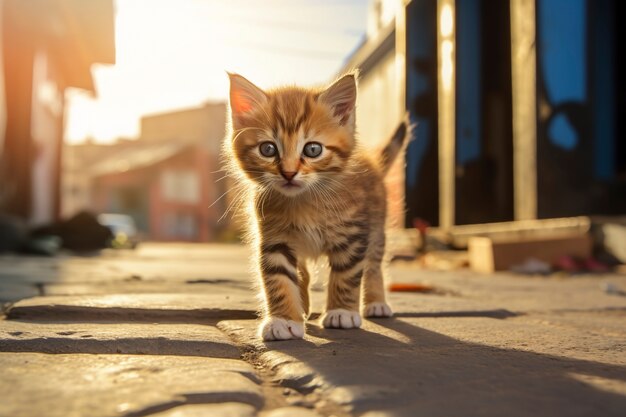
x: 446, y: 79
x: 524, y: 74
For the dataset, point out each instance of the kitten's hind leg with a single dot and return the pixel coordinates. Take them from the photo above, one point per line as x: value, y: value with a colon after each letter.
x: 374, y: 304
x: 284, y: 308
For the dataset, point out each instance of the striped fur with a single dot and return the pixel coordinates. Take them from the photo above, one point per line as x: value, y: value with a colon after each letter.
x: 334, y: 206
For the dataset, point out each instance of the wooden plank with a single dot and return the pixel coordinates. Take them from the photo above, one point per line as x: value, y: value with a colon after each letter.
x: 488, y: 255
x: 460, y: 235
x: 524, y: 75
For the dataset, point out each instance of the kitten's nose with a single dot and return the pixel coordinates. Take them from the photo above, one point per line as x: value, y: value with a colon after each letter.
x: 288, y: 175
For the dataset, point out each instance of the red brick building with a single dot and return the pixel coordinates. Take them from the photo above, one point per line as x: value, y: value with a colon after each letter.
x: 167, y: 189
x: 166, y: 180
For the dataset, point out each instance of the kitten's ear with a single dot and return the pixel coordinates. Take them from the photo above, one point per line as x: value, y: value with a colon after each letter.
x: 341, y: 98
x: 244, y: 96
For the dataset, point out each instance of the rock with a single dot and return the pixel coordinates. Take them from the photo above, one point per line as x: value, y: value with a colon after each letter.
x: 125, y: 338
x: 119, y: 385
x: 164, y: 308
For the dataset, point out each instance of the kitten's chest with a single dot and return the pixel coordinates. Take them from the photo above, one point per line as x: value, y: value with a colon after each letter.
x: 313, y: 238
x: 310, y: 229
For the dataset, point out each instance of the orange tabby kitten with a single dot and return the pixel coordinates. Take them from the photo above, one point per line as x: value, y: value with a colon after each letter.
x: 312, y: 192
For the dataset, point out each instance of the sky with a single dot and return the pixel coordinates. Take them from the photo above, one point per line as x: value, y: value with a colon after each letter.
x: 173, y: 54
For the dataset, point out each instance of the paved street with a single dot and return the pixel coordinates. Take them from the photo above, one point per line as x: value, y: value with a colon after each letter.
x: 169, y: 330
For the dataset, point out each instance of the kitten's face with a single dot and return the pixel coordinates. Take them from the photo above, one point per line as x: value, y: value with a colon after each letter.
x: 292, y: 139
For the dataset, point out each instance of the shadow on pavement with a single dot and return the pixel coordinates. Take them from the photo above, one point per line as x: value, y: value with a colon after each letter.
x: 492, y: 314
x: 405, y: 370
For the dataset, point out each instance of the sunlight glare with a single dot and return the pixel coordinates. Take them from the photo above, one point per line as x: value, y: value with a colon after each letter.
x: 172, y: 54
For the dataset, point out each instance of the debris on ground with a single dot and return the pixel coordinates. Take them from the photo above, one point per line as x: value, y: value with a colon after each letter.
x: 405, y: 287
x: 445, y: 260
x: 610, y: 237
x: 612, y: 289
x: 80, y: 233
x: 532, y: 266
x: 575, y: 265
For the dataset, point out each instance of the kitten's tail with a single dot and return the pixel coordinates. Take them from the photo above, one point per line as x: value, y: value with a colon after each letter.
x: 396, y: 145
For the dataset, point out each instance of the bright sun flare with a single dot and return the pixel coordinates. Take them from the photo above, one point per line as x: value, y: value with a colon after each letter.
x: 173, y: 54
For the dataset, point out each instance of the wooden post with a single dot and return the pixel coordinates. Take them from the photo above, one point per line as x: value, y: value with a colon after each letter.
x: 446, y: 79
x: 524, y: 74
x: 400, y: 57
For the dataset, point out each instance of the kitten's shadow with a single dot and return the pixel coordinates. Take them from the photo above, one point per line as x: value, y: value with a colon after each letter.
x: 426, y: 372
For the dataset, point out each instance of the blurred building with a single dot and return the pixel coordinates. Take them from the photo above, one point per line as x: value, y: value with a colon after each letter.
x: 520, y: 106
x: 47, y: 46
x: 166, y: 179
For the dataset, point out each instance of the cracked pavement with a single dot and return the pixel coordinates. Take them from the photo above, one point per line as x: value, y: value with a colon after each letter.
x: 170, y: 330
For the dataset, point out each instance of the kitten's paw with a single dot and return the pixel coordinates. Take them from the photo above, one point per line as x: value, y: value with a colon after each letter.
x: 377, y: 309
x: 341, y: 319
x: 276, y: 328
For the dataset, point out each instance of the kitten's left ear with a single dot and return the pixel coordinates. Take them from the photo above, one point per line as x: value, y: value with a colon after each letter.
x: 245, y: 97
x: 341, y: 98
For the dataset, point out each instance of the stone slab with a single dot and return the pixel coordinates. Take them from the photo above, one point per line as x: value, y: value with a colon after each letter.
x: 442, y: 366
x: 125, y: 338
x: 178, y: 308
x: 139, y: 286
x: 291, y: 412
x: 34, y: 384
x: 78, y: 270
x: 152, y: 262
x: 211, y: 410
x: 515, y: 293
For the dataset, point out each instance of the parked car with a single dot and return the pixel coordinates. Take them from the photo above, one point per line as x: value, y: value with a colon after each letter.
x: 125, y: 233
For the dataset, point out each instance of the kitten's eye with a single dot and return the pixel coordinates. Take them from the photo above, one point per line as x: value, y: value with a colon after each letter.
x: 268, y: 149
x: 312, y: 149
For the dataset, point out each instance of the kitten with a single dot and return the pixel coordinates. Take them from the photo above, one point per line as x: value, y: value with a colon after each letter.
x: 312, y: 192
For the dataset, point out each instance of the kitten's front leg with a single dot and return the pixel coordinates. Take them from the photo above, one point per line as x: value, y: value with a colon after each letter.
x: 284, y: 311
x: 346, y: 263
x: 373, y: 282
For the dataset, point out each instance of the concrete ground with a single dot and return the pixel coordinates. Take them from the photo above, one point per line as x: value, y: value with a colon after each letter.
x: 169, y: 330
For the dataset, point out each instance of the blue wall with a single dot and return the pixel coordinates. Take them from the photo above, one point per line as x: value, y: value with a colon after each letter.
x: 604, y: 83
x: 421, y: 41
x: 468, y: 81
x: 569, y: 66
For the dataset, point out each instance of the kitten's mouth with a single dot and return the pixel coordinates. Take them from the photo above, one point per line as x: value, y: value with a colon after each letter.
x: 291, y: 184
x: 290, y: 187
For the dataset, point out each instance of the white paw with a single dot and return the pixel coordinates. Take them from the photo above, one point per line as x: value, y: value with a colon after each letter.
x: 275, y: 328
x: 378, y: 309
x: 341, y: 319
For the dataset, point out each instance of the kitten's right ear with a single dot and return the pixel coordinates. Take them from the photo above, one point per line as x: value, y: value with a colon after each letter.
x: 244, y: 97
x: 341, y: 98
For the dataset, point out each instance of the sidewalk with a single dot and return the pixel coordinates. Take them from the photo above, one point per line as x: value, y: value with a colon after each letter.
x: 169, y: 330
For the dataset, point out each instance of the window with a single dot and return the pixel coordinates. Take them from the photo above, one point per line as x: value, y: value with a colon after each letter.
x: 181, y: 186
